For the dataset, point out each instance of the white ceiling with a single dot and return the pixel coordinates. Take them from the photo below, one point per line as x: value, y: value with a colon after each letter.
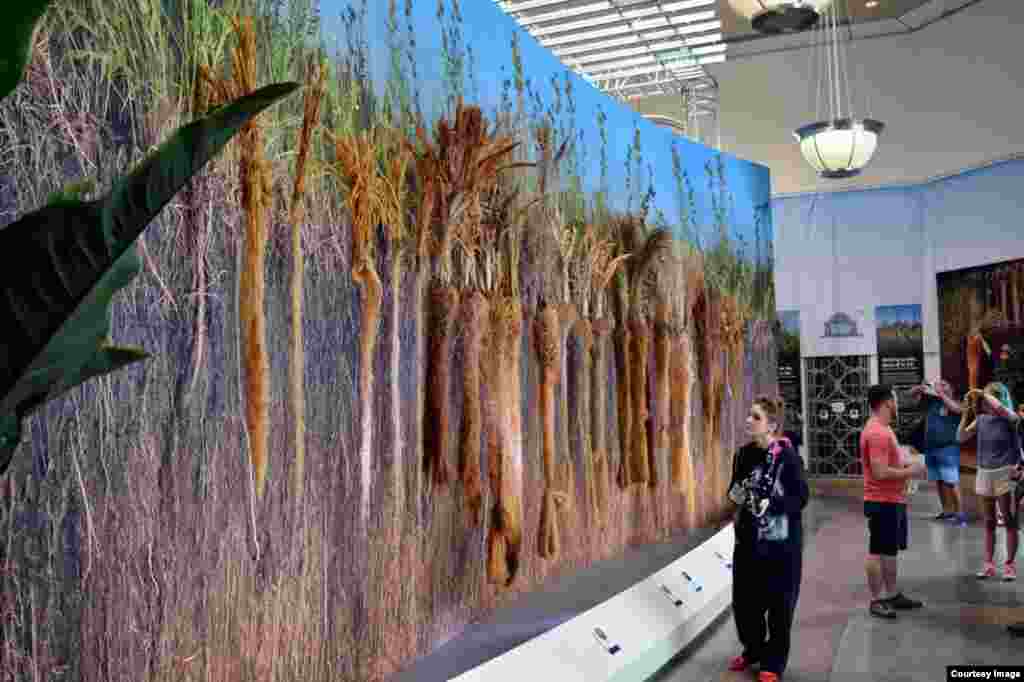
x: 951, y: 95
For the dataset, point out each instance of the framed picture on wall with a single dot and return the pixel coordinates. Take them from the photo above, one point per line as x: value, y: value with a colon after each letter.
x: 787, y: 344
x: 981, y: 326
x: 901, y: 358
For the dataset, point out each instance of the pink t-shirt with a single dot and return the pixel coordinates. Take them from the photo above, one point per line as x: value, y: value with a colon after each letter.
x: 878, y: 442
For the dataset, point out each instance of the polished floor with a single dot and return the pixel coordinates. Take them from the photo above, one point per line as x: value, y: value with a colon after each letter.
x: 834, y: 637
x: 836, y: 640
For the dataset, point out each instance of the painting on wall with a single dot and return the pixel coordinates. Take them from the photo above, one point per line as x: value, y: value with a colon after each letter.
x: 787, y: 335
x: 981, y: 318
x: 901, y: 357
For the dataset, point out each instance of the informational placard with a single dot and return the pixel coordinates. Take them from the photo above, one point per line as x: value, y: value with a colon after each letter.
x: 901, y: 358
x: 787, y: 343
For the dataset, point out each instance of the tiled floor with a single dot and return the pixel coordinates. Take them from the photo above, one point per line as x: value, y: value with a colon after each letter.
x: 836, y: 640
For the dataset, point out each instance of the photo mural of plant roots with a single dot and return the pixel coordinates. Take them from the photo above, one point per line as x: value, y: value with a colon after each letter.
x: 370, y: 288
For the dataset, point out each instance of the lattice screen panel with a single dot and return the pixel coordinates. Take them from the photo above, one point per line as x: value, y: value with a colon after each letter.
x: 837, y: 408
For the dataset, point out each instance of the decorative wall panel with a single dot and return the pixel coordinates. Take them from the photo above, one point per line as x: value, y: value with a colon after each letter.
x: 837, y: 408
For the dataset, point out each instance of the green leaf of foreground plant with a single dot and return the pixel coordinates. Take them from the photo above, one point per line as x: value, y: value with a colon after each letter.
x: 106, y: 360
x: 67, y: 260
x: 18, y: 22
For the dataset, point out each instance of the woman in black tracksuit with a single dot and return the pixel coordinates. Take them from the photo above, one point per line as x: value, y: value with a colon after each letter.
x: 770, y: 490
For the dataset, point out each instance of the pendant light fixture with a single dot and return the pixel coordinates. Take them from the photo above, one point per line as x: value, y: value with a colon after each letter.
x: 838, y: 145
x: 780, y: 16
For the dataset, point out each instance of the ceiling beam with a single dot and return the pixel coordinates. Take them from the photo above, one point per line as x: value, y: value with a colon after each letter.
x: 684, y: 27
x: 636, y: 20
x: 693, y: 39
x: 605, y: 7
x: 642, y: 55
x: 684, y: 66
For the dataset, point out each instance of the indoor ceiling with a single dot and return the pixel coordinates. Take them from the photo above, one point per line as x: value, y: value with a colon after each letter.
x: 738, y: 29
x: 640, y: 48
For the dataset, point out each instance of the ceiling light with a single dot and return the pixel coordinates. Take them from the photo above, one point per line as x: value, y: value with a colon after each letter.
x: 839, y: 145
x: 780, y: 16
x: 871, y: 3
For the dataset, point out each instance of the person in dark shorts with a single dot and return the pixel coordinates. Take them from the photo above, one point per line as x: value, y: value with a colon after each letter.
x: 885, y: 506
x: 769, y: 491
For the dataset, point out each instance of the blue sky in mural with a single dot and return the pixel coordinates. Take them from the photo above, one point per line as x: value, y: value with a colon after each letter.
x: 892, y: 314
x: 487, y: 31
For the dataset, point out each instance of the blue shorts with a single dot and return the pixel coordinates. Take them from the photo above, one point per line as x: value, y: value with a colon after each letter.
x: 943, y: 464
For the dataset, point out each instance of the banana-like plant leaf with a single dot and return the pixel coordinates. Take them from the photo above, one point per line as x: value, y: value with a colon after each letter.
x: 18, y: 22
x: 73, y: 256
x: 105, y: 361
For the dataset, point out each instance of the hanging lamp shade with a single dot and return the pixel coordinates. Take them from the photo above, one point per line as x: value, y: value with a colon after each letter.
x: 839, y: 148
x: 780, y: 16
x: 839, y: 144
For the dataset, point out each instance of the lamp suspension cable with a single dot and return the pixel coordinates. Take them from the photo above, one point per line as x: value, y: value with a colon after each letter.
x: 839, y: 143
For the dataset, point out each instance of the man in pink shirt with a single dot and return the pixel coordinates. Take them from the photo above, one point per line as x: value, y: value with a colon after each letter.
x: 885, y: 504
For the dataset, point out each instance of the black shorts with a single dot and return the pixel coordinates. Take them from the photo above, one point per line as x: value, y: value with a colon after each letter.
x: 887, y: 527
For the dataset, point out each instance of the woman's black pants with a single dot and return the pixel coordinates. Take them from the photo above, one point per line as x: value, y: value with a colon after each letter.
x: 765, y: 588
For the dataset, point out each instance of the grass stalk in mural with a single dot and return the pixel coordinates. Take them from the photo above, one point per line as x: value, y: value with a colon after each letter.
x: 709, y: 352
x: 658, y: 433
x: 58, y: 323
x: 453, y: 53
x: 592, y: 269
x: 508, y: 519
x: 257, y: 201
x: 506, y: 207
x: 467, y: 159
x: 685, y: 281
x: 686, y: 199
x: 315, y: 81
x: 372, y: 165
x: 399, y: 95
x: 549, y: 355
x: 476, y: 313
x: 645, y: 247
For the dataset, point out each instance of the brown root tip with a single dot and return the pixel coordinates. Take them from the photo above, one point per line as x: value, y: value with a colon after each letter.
x: 511, y: 561
x: 441, y: 476
x: 497, y: 555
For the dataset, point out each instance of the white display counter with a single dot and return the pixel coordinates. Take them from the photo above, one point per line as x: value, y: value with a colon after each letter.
x: 630, y: 636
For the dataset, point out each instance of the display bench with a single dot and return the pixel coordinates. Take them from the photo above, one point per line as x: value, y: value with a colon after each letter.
x: 632, y: 635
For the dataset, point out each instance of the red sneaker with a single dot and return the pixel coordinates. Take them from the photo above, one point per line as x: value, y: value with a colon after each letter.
x: 765, y: 676
x: 739, y: 664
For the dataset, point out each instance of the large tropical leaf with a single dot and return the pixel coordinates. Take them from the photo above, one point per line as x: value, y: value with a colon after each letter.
x: 67, y: 260
x: 18, y: 21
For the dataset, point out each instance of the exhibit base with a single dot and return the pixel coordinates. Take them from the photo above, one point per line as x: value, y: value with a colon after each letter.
x: 631, y: 636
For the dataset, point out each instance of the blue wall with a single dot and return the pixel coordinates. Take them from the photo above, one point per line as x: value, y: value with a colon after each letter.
x: 488, y: 33
x: 889, y: 244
